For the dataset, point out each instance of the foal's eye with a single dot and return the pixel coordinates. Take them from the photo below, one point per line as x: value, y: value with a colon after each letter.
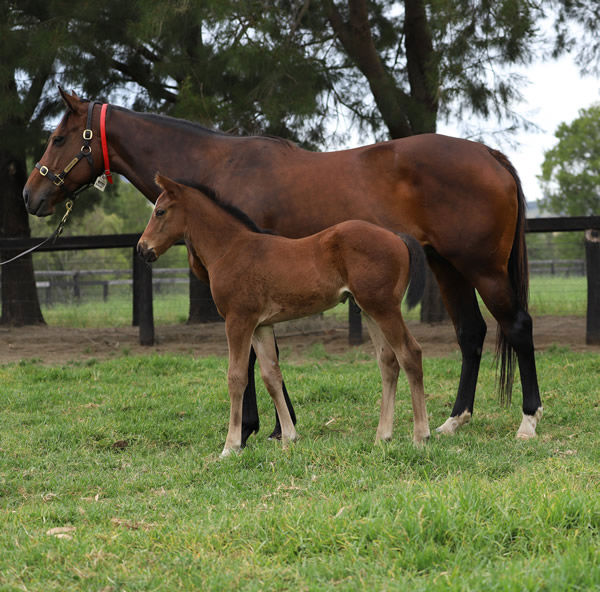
x: 58, y: 140
x: 158, y: 213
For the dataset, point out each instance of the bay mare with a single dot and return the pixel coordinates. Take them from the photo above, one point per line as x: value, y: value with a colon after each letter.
x: 260, y: 279
x: 462, y: 200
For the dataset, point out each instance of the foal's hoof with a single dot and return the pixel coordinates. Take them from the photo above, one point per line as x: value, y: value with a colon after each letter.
x: 528, y: 424
x: 421, y: 441
x: 451, y: 425
x: 229, y: 451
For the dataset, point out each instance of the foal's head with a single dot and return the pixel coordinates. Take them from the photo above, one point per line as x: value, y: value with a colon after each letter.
x: 168, y: 221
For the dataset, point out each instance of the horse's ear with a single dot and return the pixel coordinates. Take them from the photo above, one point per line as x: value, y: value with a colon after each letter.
x: 71, y: 101
x: 165, y: 183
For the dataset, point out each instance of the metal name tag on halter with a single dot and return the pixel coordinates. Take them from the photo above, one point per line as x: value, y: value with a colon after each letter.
x: 101, y: 182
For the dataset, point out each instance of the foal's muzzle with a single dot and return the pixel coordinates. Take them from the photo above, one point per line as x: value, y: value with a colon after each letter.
x: 146, y: 253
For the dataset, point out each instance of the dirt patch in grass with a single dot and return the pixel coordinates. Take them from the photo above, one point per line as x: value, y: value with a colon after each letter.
x: 296, y: 339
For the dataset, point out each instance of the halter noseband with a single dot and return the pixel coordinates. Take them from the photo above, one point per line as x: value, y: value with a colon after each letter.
x: 85, y: 152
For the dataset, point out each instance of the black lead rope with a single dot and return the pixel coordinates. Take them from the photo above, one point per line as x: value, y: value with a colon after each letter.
x: 52, y: 237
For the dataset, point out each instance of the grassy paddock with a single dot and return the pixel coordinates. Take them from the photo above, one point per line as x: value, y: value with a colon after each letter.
x: 549, y: 296
x: 110, y: 480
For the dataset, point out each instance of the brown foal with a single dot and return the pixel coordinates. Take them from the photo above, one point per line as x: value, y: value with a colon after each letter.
x: 259, y: 279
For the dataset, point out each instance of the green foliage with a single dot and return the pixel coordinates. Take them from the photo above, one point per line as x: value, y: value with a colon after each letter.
x: 110, y: 480
x: 571, y: 170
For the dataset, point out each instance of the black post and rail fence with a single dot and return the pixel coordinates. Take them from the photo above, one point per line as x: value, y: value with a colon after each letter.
x: 143, y: 315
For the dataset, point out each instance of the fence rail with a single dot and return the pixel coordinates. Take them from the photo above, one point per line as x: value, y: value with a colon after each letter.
x: 142, y: 273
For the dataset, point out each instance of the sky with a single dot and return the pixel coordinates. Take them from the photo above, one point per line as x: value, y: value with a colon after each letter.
x: 555, y: 94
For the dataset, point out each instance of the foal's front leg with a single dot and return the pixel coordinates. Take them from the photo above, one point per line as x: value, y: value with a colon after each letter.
x: 265, y: 347
x: 239, y: 336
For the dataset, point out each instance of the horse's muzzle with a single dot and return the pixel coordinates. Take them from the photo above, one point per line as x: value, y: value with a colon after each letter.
x: 40, y: 208
x: 146, y: 253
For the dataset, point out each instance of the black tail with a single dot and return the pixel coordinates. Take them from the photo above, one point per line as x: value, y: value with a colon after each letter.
x: 518, y: 272
x: 416, y: 287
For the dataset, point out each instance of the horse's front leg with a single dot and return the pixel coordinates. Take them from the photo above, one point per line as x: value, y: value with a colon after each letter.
x: 239, y: 335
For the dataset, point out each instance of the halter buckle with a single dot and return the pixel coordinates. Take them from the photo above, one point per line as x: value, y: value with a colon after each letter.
x: 44, y: 170
x: 87, y: 134
x: 58, y: 180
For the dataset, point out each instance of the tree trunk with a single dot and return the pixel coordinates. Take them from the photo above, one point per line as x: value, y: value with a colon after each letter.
x: 202, y: 307
x: 403, y: 113
x: 20, y: 303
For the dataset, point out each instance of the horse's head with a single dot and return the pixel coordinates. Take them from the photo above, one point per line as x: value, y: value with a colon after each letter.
x: 167, y: 223
x: 56, y: 175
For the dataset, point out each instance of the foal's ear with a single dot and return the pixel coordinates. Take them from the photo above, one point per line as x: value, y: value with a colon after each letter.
x: 165, y: 183
x: 71, y: 101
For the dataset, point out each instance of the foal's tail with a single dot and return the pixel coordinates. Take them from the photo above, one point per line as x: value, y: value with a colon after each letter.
x: 518, y: 273
x: 416, y: 287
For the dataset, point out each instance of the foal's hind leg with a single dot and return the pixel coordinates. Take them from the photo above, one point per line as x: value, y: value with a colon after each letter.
x: 461, y: 303
x: 389, y: 368
x: 263, y: 342
x: 408, y: 354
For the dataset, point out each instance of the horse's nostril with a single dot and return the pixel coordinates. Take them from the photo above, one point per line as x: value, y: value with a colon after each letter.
x: 26, y: 197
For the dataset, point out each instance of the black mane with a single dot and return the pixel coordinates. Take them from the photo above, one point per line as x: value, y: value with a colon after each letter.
x: 227, y: 207
x: 192, y: 126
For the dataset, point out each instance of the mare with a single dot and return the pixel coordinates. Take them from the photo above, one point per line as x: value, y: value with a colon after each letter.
x: 460, y: 199
x: 258, y: 279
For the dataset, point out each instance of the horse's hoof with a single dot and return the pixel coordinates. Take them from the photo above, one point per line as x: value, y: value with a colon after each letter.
x: 275, y: 435
x: 451, y: 425
x: 246, y: 433
x: 528, y: 424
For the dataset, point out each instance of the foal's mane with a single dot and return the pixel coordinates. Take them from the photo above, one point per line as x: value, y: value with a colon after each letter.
x: 227, y: 207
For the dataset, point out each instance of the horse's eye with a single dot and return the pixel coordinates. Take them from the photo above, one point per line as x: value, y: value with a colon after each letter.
x: 58, y: 140
x: 158, y: 213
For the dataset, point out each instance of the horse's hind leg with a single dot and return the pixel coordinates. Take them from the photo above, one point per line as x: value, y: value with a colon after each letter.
x: 470, y: 327
x: 517, y: 326
x: 263, y: 341
x: 250, y: 419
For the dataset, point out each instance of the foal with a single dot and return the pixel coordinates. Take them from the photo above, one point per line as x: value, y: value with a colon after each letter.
x: 260, y: 279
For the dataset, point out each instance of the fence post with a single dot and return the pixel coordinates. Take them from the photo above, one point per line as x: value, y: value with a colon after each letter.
x: 76, y: 288
x: 143, y: 314
x: 592, y: 259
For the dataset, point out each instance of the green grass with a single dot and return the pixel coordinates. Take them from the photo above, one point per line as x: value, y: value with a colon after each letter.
x: 124, y: 455
x: 548, y: 296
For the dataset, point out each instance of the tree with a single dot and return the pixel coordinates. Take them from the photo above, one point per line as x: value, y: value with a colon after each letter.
x: 288, y: 67
x: 23, y: 74
x: 571, y: 169
x: 285, y: 67
x: 577, y: 24
x: 429, y: 58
